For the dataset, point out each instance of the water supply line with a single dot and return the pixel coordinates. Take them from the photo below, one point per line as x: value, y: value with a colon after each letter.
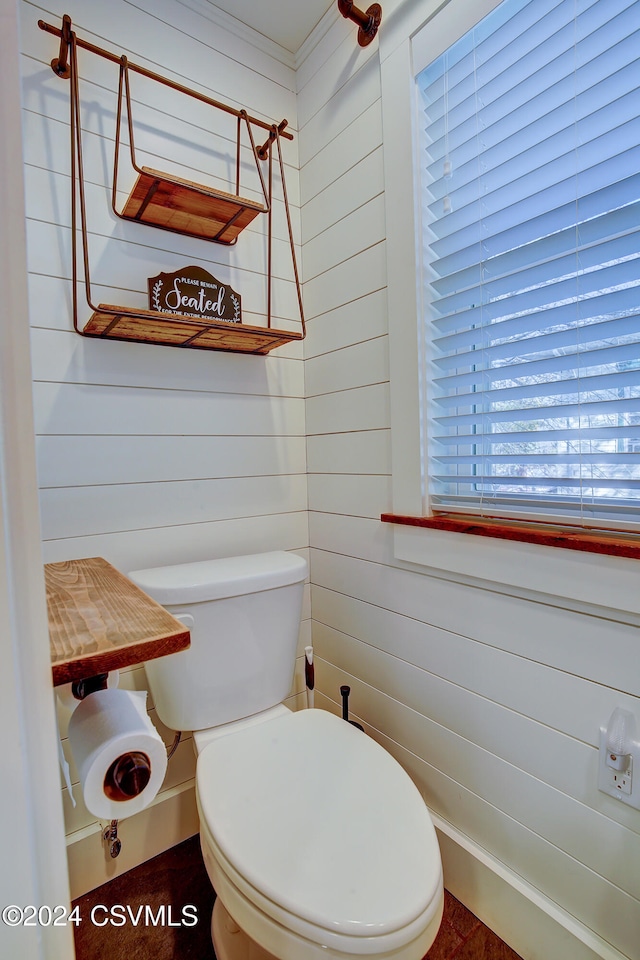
x: 174, y: 746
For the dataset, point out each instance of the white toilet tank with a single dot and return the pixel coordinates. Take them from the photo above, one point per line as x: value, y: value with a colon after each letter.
x: 244, y: 617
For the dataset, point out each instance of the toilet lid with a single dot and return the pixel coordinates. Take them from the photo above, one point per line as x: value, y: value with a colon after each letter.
x: 320, y: 819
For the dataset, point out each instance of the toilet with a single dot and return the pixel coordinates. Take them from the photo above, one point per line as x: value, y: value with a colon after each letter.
x: 316, y: 841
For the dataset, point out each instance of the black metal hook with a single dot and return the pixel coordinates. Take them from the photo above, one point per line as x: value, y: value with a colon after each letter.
x: 368, y: 22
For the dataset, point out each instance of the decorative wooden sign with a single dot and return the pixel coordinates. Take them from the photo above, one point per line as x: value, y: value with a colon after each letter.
x: 193, y: 292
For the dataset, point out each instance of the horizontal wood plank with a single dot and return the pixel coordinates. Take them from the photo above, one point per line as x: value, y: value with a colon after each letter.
x: 560, y: 700
x: 184, y: 543
x: 347, y: 281
x: 359, y: 365
x: 60, y: 356
x: 88, y: 408
x: 346, y: 193
x: 361, y: 453
x: 85, y: 461
x: 344, y: 105
x: 350, y: 323
x: 346, y: 496
x: 87, y: 510
x: 352, y: 234
x: 364, y: 408
x: 339, y: 155
x: 546, y: 634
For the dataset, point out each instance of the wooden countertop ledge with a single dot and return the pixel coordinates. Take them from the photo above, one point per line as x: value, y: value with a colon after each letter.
x: 99, y: 621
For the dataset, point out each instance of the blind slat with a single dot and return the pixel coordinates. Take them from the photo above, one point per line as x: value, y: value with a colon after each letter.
x: 469, y: 331
x: 602, y: 409
x: 609, y: 460
x: 557, y: 340
x: 455, y: 252
x: 499, y: 438
x: 545, y: 392
x: 576, y: 362
x: 495, y: 480
x: 621, y: 224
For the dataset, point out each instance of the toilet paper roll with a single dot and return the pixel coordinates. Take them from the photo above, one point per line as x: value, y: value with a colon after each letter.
x: 120, y: 756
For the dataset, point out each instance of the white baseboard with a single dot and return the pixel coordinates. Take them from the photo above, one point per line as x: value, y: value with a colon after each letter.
x: 532, y: 924
x: 170, y: 819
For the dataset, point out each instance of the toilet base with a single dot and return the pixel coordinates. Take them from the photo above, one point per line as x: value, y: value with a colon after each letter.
x: 229, y: 941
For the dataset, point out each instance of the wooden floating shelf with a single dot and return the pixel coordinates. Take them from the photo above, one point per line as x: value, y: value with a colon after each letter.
x: 162, y: 200
x: 175, y: 330
x: 99, y: 621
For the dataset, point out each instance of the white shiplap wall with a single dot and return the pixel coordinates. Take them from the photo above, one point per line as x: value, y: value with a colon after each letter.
x: 148, y: 454
x: 493, y: 702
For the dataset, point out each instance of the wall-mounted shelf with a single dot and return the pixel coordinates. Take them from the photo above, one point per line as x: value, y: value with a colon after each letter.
x: 169, y: 202
x: 150, y: 326
x: 100, y: 621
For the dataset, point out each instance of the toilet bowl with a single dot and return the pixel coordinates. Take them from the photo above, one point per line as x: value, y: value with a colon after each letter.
x: 316, y: 841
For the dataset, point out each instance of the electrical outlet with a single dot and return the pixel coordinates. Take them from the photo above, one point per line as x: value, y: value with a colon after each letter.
x: 621, y: 780
x: 619, y: 783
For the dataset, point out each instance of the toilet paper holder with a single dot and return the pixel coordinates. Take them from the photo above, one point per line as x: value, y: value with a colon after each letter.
x: 82, y: 688
x: 127, y: 776
x: 130, y: 772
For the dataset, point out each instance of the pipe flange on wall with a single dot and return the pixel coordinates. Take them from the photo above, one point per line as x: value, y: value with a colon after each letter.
x: 368, y: 21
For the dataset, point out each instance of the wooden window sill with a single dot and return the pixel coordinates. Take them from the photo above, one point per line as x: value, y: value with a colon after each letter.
x: 612, y: 543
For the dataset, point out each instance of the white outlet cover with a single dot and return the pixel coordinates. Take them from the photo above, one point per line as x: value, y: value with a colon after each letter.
x: 620, y: 784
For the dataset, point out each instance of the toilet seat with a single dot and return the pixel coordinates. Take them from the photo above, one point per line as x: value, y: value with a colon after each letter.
x: 274, y: 928
x: 322, y: 831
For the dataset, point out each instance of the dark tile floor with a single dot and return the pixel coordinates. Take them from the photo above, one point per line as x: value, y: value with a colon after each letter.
x: 463, y: 937
x: 177, y: 879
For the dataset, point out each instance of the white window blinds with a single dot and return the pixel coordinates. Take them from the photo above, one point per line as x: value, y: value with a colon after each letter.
x: 531, y: 236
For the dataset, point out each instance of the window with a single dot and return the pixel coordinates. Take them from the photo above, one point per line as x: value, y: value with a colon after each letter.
x: 531, y: 227
x: 514, y: 350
